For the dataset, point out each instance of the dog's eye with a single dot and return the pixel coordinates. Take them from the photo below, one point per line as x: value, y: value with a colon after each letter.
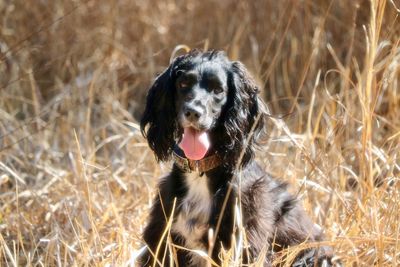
x: 183, y: 84
x: 217, y: 89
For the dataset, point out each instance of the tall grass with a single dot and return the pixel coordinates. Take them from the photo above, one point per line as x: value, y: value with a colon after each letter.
x: 77, y: 178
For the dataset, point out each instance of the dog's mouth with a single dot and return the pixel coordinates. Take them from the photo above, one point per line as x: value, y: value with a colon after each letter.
x: 195, y: 143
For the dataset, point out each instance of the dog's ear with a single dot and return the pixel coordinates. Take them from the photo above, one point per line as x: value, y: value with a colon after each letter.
x: 244, y: 118
x: 158, y: 123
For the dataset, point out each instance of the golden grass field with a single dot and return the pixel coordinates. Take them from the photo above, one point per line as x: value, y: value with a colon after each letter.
x: 77, y: 177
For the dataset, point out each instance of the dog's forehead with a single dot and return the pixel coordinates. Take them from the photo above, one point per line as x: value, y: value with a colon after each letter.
x: 210, y: 69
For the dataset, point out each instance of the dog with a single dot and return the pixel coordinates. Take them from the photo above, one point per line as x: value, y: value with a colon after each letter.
x: 204, y: 112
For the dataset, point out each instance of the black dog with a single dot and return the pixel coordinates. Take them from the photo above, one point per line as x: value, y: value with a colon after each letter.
x: 204, y: 112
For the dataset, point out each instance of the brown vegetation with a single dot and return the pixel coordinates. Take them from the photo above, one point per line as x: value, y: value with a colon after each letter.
x: 76, y: 177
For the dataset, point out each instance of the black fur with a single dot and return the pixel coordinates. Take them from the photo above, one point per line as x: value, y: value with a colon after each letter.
x: 160, y: 114
x: 270, y: 213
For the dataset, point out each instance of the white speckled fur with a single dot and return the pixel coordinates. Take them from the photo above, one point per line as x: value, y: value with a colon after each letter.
x: 195, y: 205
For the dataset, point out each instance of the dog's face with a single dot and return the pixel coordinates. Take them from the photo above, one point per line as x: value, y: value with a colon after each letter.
x: 204, y: 103
x: 201, y: 93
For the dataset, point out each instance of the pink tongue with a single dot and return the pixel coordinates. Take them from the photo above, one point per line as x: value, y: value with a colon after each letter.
x: 194, y: 143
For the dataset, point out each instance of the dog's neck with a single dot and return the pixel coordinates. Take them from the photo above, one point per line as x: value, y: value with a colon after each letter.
x: 219, y: 175
x: 211, y: 161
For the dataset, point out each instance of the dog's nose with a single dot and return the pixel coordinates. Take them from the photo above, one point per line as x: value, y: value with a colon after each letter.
x: 192, y: 114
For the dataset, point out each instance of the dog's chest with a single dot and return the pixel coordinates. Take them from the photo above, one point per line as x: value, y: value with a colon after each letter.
x: 194, y: 211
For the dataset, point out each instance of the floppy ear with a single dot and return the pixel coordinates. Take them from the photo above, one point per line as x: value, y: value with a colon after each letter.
x: 244, y: 118
x: 158, y: 123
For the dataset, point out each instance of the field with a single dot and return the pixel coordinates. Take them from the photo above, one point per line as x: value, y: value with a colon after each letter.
x: 77, y: 177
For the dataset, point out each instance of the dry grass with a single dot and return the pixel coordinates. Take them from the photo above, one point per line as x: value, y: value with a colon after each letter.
x: 76, y: 177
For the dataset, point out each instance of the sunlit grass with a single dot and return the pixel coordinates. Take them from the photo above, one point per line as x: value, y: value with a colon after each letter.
x: 77, y: 178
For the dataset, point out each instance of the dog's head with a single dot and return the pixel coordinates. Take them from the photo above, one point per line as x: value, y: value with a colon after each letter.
x: 205, y: 103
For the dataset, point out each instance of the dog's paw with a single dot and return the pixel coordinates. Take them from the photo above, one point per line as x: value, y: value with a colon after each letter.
x: 322, y: 257
x: 334, y: 262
